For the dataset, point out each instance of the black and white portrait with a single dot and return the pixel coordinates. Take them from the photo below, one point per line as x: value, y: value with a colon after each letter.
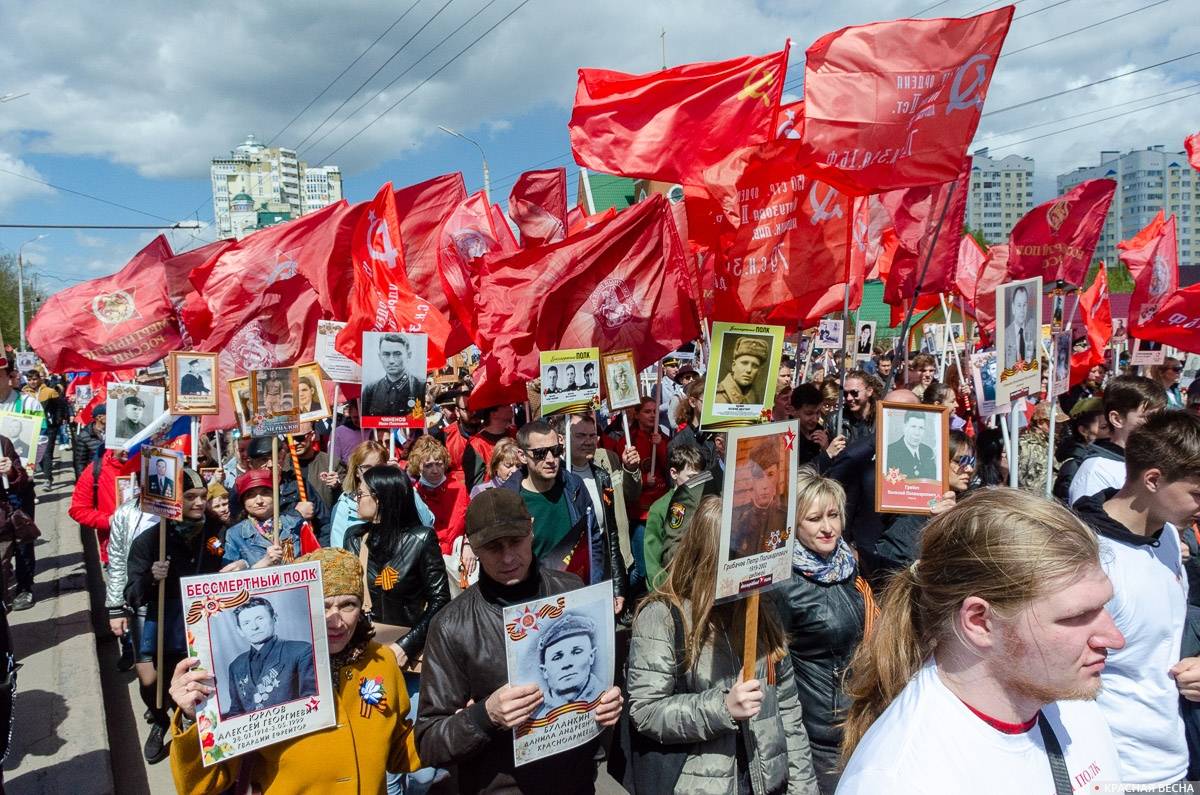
x: 1019, y: 309
x: 866, y: 338
x: 912, y: 445
x: 311, y: 395
x: 265, y: 648
x: 193, y: 379
x: 23, y: 431
x: 394, y: 370
x: 829, y: 333
x: 910, y: 475
x: 131, y: 408
x: 1062, y: 362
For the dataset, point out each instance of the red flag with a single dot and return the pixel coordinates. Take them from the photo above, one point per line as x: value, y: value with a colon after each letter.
x: 383, y: 299
x: 672, y: 124
x: 970, y: 267
x: 578, y: 219
x: 182, y: 293
x: 538, y: 206
x: 1096, y: 311
x: 1177, y: 322
x: 118, y: 321
x: 1056, y: 240
x: 621, y: 285
x: 992, y: 275
x: 1192, y: 145
x: 871, y: 222
x: 1152, y: 257
x: 916, y: 214
x: 474, y: 230
x: 233, y: 282
x: 895, y: 104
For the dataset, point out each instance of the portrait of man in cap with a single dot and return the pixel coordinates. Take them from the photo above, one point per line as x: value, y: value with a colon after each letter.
x: 193, y: 380
x: 394, y: 380
x: 133, y: 420
x: 272, y: 671
x: 762, y: 517
x: 744, y: 370
x: 567, y: 660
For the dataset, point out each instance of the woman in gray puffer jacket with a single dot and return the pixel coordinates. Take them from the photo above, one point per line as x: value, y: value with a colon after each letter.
x: 745, y: 738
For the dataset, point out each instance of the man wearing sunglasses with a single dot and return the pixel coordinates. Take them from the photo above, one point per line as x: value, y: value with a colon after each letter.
x: 1167, y: 374
x: 566, y: 534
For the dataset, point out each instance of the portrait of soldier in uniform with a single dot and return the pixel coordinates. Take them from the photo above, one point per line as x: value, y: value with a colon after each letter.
x: 909, y: 454
x: 400, y: 388
x: 272, y: 671
x: 760, y: 522
x: 743, y: 373
x: 567, y: 659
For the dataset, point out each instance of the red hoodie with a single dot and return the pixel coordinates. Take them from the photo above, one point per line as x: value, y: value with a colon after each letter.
x: 97, y: 513
x: 449, y: 505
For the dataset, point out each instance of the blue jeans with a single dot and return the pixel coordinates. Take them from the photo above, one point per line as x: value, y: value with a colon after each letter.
x: 637, y: 539
x: 418, y: 781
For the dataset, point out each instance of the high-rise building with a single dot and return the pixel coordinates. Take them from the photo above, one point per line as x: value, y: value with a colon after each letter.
x: 259, y: 186
x: 1148, y: 180
x: 1001, y: 192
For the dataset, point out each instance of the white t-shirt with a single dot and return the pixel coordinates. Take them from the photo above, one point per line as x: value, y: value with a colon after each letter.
x: 1140, y: 699
x: 927, y: 742
x: 1094, y: 476
x: 589, y: 480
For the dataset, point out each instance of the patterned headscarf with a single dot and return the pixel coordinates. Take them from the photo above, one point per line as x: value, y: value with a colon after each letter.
x: 341, y: 573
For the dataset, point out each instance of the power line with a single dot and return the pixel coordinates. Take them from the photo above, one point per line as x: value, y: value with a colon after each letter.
x: 371, y: 77
x: 85, y: 195
x: 1085, y: 27
x: 397, y: 78
x: 343, y: 72
x: 436, y: 72
x: 1040, y: 10
x: 1089, y: 85
x: 930, y: 8
x: 92, y: 226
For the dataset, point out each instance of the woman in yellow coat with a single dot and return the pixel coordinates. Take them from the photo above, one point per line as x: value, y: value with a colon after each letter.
x: 351, y: 757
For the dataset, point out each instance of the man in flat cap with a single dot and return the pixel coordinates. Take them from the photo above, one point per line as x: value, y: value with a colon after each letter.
x: 760, y: 525
x: 131, y: 424
x: 567, y: 660
x: 737, y: 387
x: 192, y: 382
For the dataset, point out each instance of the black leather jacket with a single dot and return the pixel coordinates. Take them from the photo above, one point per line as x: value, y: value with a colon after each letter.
x: 824, y: 625
x: 421, y: 588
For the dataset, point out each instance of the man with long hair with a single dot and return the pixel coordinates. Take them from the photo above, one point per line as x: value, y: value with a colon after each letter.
x: 981, y: 673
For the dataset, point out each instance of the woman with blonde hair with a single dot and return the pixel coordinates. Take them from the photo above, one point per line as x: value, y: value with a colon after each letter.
x: 429, y: 466
x: 981, y: 673
x: 345, y: 511
x: 505, y: 460
x: 685, y: 680
x: 826, y: 609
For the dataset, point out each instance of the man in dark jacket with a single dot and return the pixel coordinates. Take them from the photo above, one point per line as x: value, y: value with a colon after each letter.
x: 89, y: 440
x: 468, y: 709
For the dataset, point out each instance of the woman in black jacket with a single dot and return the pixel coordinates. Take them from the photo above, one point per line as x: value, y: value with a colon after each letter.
x: 826, y: 609
x: 406, y: 578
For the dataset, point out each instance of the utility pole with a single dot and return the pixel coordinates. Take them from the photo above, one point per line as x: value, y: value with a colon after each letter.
x: 487, y: 177
x: 21, y: 287
x: 663, y: 36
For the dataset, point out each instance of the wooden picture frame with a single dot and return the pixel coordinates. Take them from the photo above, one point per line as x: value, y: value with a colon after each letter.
x: 192, y: 383
x: 908, y: 482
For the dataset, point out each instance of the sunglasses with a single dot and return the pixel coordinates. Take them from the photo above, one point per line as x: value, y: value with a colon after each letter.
x: 851, y: 393
x: 965, y: 462
x: 539, y: 453
x: 1178, y: 368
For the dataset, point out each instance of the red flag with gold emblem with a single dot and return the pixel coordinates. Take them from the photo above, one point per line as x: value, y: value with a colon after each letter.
x: 895, y: 104
x: 1056, y: 240
x: 672, y: 124
x: 474, y: 230
x: 1152, y: 257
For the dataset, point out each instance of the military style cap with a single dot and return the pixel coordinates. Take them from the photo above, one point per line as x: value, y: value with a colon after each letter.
x: 751, y: 346
x: 568, y: 626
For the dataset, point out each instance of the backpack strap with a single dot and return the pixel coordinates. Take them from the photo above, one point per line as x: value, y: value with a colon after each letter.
x: 96, y: 481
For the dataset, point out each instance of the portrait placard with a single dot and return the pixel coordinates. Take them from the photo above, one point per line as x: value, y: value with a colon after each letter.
x: 24, y: 431
x: 985, y: 367
x: 1060, y: 345
x: 131, y: 409
x: 956, y: 336
x: 393, y: 377
x: 620, y: 380
x: 193, y: 380
x: 162, y: 474
x: 82, y: 396
x: 911, y: 473
x: 1147, y: 352
x: 740, y: 389
x: 273, y: 407
x: 865, y: 345
x: 758, y: 509
x: 128, y: 488
x: 338, y: 367
x: 239, y: 393
x: 228, y: 617
x: 312, y: 402
x: 1018, y: 338
x: 570, y: 381
x: 1058, y: 301
x: 564, y: 645
x: 28, y: 360
x: 829, y: 333
x: 1120, y: 331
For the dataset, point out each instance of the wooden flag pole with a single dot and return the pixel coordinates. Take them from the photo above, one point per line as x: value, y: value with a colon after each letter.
x: 195, y: 442
x: 904, y: 328
x: 333, y: 433
x: 796, y: 362
x: 750, y: 641
x: 1014, y: 428
x: 220, y: 454
x: 162, y: 601
x: 1007, y: 439
x: 625, y: 417
x: 841, y: 406
x: 275, y: 489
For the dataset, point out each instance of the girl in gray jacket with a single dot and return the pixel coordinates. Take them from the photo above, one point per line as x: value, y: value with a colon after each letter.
x: 742, y: 736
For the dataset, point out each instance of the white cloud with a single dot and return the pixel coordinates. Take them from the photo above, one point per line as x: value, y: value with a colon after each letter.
x: 18, y: 186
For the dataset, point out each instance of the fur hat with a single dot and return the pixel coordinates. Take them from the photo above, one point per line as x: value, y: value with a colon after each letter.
x: 341, y: 573
x: 751, y: 346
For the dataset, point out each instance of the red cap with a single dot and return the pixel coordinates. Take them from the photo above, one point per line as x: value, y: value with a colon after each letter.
x: 252, y: 479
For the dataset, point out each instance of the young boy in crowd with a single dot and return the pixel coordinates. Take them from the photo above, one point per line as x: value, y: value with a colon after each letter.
x: 1128, y: 402
x: 665, y: 521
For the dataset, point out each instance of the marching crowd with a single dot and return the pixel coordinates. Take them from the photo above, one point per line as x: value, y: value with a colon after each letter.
x: 962, y: 651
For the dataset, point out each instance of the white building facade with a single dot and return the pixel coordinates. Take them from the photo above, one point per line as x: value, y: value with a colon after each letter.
x: 1001, y: 192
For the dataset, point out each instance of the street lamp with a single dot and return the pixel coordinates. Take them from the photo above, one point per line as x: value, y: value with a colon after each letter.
x: 487, y: 180
x: 21, y: 286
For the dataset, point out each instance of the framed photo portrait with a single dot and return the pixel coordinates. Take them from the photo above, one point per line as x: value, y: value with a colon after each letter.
x: 131, y: 409
x: 338, y: 367
x: 229, y: 617
x: 1120, y: 330
x: 393, y: 376
x: 239, y: 393
x: 162, y: 470
x: 985, y: 369
x: 829, y: 333
x: 758, y: 509
x: 24, y: 431
x: 193, y: 380
x: 570, y: 381
x: 865, y: 340
x: 1061, y: 346
x: 911, y: 472
x: 1018, y: 338
x: 310, y: 393
x: 743, y: 375
x: 563, y: 644
x: 1147, y: 352
x: 28, y: 360
x: 620, y: 380
x: 273, y: 407
x: 1058, y: 302
x: 128, y: 488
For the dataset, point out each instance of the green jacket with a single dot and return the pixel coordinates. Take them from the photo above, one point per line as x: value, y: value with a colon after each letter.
x: 668, y: 518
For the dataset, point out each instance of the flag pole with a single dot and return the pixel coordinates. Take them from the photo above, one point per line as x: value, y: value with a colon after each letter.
x: 1014, y: 427
x: 162, y: 600
x: 750, y: 641
x: 837, y: 429
x: 195, y: 442
x: 625, y: 417
x: 275, y: 489
x: 333, y: 432
x: 1007, y: 440
x: 904, y: 328
x: 220, y: 454
x: 1054, y: 400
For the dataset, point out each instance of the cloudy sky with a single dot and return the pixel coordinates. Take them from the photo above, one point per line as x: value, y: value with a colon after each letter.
x: 129, y: 101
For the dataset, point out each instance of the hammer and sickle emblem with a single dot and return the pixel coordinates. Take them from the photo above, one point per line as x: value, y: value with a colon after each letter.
x: 971, y: 95
x: 758, y: 84
x: 378, y: 230
x: 820, y: 204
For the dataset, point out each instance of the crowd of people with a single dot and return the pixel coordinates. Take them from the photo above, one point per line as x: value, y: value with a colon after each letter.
x: 958, y: 651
